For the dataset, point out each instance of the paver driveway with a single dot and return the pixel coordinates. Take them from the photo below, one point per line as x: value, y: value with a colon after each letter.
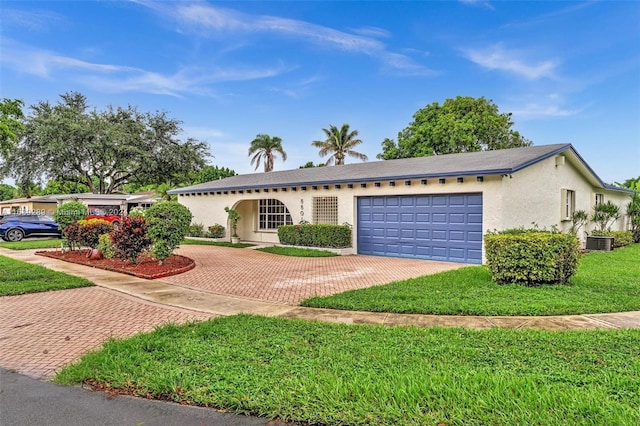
x: 42, y: 332
x: 284, y: 279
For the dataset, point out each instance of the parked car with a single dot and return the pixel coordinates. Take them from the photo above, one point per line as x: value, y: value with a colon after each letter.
x: 95, y: 213
x: 15, y: 227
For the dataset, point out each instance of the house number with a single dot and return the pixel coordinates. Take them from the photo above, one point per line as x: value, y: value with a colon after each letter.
x: 301, y: 207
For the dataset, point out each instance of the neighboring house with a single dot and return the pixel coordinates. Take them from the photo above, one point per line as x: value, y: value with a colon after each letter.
x: 40, y: 204
x: 429, y: 207
x: 113, y: 203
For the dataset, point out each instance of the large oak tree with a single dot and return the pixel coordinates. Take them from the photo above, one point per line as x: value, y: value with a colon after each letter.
x: 463, y: 124
x: 105, y: 149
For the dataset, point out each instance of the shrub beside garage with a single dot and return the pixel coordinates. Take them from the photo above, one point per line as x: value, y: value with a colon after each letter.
x: 311, y: 235
x: 531, y: 257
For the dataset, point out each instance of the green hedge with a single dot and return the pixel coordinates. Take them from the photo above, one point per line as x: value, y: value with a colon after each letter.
x: 620, y: 238
x: 308, y: 235
x: 531, y: 257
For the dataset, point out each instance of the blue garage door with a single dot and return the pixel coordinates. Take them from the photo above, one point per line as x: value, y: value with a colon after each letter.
x: 438, y: 227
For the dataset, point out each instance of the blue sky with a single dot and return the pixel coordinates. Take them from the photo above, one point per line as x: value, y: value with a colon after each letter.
x: 568, y: 71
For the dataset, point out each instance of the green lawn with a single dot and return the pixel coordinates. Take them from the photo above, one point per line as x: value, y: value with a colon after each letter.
x: 297, y: 252
x: 189, y: 241
x: 31, y: 244
x: 375, y: 375
x: 605, y: 282
x: 18, y: 277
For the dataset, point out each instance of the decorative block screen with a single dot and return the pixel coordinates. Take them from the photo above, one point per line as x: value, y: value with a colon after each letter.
x: 325, y: 210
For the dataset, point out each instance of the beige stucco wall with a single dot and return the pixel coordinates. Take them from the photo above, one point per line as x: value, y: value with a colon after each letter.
x: 529, y: 197
x: 28, y: 206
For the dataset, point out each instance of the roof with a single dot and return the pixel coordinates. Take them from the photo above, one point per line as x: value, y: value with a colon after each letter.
x: 504, y: 161
x: 36, y: 199
x: 139, y: 197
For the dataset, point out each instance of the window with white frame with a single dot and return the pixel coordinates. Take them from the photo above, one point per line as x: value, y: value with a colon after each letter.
x: 325, y: 210
x: 568, y: 203
x: 272, y: 214
x: 599, y: 199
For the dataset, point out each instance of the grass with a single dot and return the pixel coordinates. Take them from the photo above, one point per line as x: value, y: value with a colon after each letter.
x: 31, y: 244
x: 605, y: 282
x: 188, y: 241
x: 375, y: 375
x: 18, y: 277
x: 297, y: 252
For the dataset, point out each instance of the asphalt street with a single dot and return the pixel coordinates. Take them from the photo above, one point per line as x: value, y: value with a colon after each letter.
x: 26, y: 401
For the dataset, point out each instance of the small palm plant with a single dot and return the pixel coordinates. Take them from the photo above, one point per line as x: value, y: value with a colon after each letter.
x: 604, y: 214
x: 234, y: 218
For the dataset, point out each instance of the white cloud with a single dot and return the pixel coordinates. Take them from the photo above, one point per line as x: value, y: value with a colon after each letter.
x: 198, y: 132
x: 117, y: 79
x: 33, y: 20
x: 496, y: 57
x: 208, y: 20
x: 478, y: 3
x: 549, y: 106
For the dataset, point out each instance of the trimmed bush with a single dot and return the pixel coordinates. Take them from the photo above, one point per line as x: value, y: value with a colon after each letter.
x: 168, y: 225
x: 620, y: 238
x: 308, y: 235
x: 131, y: 239
x: 196, y: 230
x: 216, y: 231
x: 531, y: 257
x: 105, y: 245
x: 91, y: 230
x: 70, y: 212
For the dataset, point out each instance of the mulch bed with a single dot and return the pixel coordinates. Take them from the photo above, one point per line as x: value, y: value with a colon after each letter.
x: 146, y: 267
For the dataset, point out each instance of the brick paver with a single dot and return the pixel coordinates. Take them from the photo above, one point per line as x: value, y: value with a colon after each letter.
x: 257, y: 275
x: 42, y: 332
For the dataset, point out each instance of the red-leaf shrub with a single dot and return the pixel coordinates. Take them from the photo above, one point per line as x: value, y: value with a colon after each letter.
x: 90, y: 231
x: 72, y: 235
x: 131, y: 239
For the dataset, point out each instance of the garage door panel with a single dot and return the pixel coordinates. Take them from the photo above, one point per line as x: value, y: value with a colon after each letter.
x: 423, y: 234
x: 423, y: 217
x: 439, y: 235
x: 474, y: 236
x: 441, y: 227
x: 439, y: 218
x: 407, y: 217
x: 407, y: 233
x: 475, y: 218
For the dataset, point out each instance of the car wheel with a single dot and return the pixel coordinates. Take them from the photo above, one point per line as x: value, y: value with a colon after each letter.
x: 15, y: 235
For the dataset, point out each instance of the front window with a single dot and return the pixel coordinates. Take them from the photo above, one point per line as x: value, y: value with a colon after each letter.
x: 325, y: 210
x: 272, y: 214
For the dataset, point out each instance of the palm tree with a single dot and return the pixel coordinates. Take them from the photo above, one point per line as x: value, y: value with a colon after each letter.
x: 339, y: 142
x: 264, y: 147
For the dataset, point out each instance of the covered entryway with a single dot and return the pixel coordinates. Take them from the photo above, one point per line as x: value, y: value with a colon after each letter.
x: 437, y: 227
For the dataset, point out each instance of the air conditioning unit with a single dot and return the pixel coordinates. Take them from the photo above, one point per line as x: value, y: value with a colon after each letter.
x: 601, y: 243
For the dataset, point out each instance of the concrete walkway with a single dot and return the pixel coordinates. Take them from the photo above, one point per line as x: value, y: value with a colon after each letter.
x: 41, y: 332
